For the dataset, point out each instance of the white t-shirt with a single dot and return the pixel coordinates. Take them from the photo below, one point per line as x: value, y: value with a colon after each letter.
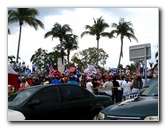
x: 126, y: 87
x: 108, y: 87
x: 89, y: 86
x: 26, y: 85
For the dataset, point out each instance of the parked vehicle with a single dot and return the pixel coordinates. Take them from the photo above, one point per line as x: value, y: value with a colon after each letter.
x: 144, y: 107
x: 149, y: 83
x: 57, y: 102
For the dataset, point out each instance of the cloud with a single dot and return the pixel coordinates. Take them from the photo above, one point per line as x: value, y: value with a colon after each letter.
x: 145, y: 23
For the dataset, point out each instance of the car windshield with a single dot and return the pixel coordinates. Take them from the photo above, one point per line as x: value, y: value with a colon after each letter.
x: 152, y: 90
x: 21, y: 96
x: 151, y: 81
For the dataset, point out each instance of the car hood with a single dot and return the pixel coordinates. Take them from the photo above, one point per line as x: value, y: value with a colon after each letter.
x: 140, y: 106
x: 14, y: 115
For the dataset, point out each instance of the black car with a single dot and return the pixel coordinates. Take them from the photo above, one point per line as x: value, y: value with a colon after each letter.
x: 144, y: 107
x: 57, y: 102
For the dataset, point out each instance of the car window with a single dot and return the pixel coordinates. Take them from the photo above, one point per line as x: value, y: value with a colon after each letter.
x: 70, y: 93
x: 152, y: 90
x: 21, y: 96
x: 150, y: 82
x: 47, y: 95
x: 87, y: 94
x: 11, y: 97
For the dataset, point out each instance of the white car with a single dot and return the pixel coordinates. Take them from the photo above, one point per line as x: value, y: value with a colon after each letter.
x: 15, y: 115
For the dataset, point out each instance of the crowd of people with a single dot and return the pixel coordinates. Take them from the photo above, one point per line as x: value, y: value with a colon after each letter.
x: 115, y: 86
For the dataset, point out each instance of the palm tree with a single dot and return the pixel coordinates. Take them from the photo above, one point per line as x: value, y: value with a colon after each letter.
x: 70, y: 43
x: 124, y: 29
x: 156, y: 55
x: 8, y: 28
x: 151, y: 68
x: 59, y: 31
x: 24, y: 15
x: 10, y: 58
x: 97, y: 29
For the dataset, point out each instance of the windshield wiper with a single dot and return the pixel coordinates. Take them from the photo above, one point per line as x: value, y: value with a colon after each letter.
x: 143, y: 95
x: 155, y: 95
x: 16, y: 98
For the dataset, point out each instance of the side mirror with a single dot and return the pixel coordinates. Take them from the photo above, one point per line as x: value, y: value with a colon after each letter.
x: 34, y: 102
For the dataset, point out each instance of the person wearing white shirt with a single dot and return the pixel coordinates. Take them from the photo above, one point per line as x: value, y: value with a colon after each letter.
x: 89, y: 85
x: 126, y: 85
x: 107, y: 86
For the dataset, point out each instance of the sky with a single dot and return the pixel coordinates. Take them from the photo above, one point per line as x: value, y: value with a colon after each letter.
x: 145, y: 24
x: 146, y: 27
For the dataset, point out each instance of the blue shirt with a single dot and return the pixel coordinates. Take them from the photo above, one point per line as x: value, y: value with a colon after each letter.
x: 73, y: 82
x: 55, y: 81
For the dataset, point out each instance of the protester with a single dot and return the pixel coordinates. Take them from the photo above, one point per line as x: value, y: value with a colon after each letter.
x: 107, y: 87
x: 9, y: 90
x: 95, y: 83
x: 90, y: 78
x: 115, y: 98
x: 55, y: 80
x: 24, y: 84
x: 135, y: 84
x: 89, y: 85
x: 29, y: 80
x: 73, y: 81
x: 126, y: 85
x: 82, y: 80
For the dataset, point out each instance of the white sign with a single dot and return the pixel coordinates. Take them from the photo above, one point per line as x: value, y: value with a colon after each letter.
x: 139, y: 52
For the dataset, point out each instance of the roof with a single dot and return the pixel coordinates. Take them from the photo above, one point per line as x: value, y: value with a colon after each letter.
x: 10, y: 70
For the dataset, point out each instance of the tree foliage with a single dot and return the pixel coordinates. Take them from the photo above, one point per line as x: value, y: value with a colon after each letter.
x: 59, y: 31
x: 98, y: 30
x: 89, y: 56
x: 123, y: 29
x: 41, y: 57
x: 27, y: 16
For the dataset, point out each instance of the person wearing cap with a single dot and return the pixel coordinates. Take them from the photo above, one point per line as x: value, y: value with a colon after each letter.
x: 73, y: 81
x: 107, y: 86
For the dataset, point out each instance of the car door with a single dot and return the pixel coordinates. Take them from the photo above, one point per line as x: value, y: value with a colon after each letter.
x: 49, y: 107
x: 77, y: 102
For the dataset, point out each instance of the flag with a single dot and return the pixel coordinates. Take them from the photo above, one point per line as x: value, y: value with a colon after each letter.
x: 113, y: 71
x: 28, y: 72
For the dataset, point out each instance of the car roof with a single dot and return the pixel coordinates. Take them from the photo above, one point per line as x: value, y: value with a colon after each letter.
x: 47, y: 85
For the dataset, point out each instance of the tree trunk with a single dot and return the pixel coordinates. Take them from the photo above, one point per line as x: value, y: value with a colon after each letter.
x: 68, y: 55
x: 62, y: 51
x: 97, y: 59
x: 121, y: 55
x: 18, y: 48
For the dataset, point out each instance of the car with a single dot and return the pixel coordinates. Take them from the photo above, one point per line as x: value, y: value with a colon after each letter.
x: 57, y: 102
x: 144, y: 107
x: 135, y: 94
